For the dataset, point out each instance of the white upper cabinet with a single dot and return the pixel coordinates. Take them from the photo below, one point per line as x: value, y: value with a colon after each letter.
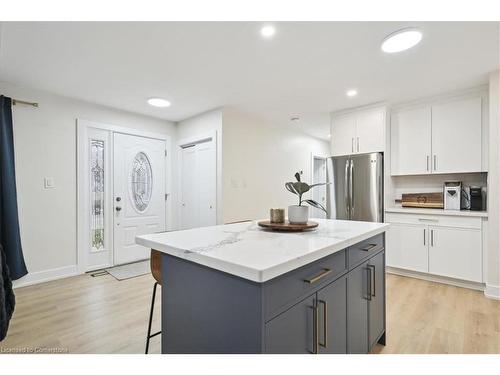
x: 456, y: 136
x: 358, y: 132
x: 439, y: 138
x: 370, y: 131
x: 411, y: 142
x: 343, y: 135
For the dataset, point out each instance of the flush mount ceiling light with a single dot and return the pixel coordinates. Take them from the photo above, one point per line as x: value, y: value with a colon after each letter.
x: 267, y: 31
x: 401, y: 40
x: 351, y: 93
x: 158, y: 102
x: 295, y: 119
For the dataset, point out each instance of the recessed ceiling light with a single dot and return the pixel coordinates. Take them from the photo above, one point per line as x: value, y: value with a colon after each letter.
x: 158, y: 102
x: 351, y: 93
x: 267, y: 31
x: 329, y: 135
x: 401, y: 40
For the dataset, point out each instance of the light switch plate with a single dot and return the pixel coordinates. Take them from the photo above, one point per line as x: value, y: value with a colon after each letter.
x: 48, y: 183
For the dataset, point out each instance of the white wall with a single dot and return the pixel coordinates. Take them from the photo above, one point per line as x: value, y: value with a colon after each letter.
x: 258, y: 159
x: 193, y: 128
x: 45, y: 145
x: 493, y: 243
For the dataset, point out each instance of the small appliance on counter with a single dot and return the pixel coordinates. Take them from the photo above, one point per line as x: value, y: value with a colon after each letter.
x: 476, y: 198
x: 452, y: 195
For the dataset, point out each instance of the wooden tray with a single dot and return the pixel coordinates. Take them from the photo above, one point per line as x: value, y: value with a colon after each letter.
x: 423, y: 200
x: 287, y: 226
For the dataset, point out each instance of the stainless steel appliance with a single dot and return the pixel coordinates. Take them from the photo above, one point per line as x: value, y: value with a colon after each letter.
x: 356, y: 191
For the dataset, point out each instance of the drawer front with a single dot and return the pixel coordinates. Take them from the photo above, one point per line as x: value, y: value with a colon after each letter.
x: 363, y: 250
x: 438, y: 220
x: 284, y: 290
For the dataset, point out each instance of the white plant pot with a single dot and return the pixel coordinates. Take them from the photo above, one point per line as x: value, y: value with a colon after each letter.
x: 298, y: 214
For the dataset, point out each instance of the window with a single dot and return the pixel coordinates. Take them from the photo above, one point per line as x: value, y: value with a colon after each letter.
x: 141, y: 182
x: 97, y: 195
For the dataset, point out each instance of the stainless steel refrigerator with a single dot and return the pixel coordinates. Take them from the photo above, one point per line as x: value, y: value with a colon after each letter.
x: 356, y: 191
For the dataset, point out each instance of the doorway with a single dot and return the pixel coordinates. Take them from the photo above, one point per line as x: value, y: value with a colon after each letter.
x: 318, y: 175
x: 198, y: 183
x: 122, y: 175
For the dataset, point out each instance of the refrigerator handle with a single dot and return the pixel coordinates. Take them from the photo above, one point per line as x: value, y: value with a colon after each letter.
x: 346, y: 187
x: 351, y: 189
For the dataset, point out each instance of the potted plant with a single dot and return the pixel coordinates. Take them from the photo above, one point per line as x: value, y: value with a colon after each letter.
x: 299, y: 214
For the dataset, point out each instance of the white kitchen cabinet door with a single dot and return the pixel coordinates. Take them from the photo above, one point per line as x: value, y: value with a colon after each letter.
x: 456, y: 136
x: 343, y: 135
x: 407, y: 247
x: 456, y: 253
x: 411, y: 142
x: 370, y: 131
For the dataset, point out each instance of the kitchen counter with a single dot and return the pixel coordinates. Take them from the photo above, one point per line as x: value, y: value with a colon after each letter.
x: 436, y: 211
x: 238, y: 288
x: 245, y: 250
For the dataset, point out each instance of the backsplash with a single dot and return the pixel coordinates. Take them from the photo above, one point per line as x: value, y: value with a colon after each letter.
x: 434, y: 183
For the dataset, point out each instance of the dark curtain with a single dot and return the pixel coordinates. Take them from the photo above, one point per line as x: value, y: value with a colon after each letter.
x: 10, y: 238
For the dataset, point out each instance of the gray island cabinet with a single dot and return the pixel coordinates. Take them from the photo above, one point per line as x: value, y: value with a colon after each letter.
x: 316, y: 292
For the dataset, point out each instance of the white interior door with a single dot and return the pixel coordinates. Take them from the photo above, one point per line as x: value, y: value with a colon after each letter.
x: 319, y: 192
x: 139, y: 194
x: 198, y: 185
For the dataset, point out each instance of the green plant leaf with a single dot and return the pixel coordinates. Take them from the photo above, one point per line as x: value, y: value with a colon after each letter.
x: 319, y: 184
x: 290, y: 187
x: 297, y: 176
x: 315, y: 204
x: 301, y: 187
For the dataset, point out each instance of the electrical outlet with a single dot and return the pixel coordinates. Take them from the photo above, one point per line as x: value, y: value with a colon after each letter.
x: 48, y: 183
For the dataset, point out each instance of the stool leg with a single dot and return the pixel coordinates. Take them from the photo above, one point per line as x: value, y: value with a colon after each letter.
x: 151, y: 317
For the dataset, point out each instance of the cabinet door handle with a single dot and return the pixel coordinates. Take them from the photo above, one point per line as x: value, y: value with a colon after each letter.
x: 357, y: 143
x: 435, y: 162
x: 424, y: 236
x: 315, y: 330
x: 432, y: 237
x: 369, y: 284
x: 372, y: 284
x: 369, y: 247
x: 427, y: 163
x: 352, y: 144
x: 325, y: 272
x: 325, y: 324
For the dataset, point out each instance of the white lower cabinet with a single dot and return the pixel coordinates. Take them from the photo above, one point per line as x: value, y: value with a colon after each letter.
x: 455, y: 252
x: 407, y: 247
x: 447, y: 246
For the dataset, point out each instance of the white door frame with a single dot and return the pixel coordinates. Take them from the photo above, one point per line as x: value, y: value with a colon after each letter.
x: 82, y: 194
x: 313, y: 157
x: 199, y: 138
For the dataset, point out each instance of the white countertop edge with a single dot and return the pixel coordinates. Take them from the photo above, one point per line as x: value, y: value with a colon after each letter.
x: 436, y: 211
x: 260, y: 276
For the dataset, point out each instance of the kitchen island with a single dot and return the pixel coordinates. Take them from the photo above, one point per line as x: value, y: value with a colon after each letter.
x: 240, y: 289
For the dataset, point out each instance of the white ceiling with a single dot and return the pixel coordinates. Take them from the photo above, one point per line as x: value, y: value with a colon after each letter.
x: 304, y: 70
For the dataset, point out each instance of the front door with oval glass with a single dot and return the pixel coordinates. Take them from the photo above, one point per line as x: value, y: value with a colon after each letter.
x: 139, y: 194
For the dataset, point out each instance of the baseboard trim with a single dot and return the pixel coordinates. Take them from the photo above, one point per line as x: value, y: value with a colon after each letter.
x: 44, y: 276
x: 492, y: 291
x: 437, y: 279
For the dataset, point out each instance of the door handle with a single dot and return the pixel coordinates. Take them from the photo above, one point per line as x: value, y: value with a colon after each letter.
x: 352, y: 144
x: 357, y: 143
x: 315, y: 330
x: 324, y: 344
x: 427, y: 163
x: 351, y: 189
x: 369, y: 284
x: 435, y: 162
x: 424, y: 236
x: 432, y: 237
x: 372, y: 285
x: 346, y: 187
x: 325, y: 272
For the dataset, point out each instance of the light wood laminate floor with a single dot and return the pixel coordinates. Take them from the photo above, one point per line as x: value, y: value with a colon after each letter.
x: 83, y: 314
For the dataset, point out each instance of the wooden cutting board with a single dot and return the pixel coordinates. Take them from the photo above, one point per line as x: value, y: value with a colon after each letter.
x: 423, y: 200
x: 287, y: 226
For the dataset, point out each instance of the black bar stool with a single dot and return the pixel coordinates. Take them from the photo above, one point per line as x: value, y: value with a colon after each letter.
x: 155, y: 262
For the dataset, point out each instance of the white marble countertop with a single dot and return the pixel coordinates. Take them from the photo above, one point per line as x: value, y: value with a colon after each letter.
x: 436, y: 211
x: 247, y: 251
